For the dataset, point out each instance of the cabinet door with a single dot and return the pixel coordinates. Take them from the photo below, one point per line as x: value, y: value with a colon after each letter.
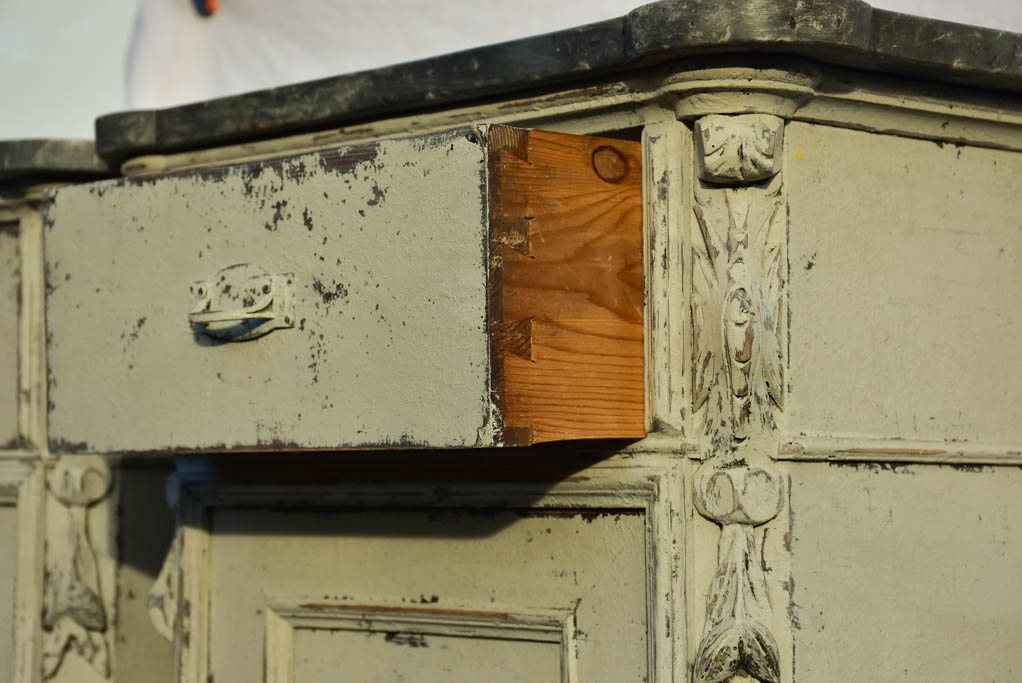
x: 522, y: 577
x: 469, y: 288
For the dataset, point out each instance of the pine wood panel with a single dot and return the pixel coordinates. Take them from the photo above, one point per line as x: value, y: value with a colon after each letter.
x: 566, y: 272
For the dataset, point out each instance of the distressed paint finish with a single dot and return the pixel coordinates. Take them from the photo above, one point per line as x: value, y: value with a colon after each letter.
x: 664, y: 276
x: 8, y: 570
x: 894, y: 315
x: 906, y: 304
x: 598, y: 548
x: 387, y: 246
x: 385, y: 656
x: 76, y: 615
x: 21, y: 501
x: 917, y: 566
x: 507, y: 561
x: 739, y: 274
x: 10, y: 309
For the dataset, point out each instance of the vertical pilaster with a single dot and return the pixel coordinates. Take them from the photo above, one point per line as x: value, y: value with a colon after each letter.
x: 76, y: 587
x: 667, y: 405
x: 738, y: 323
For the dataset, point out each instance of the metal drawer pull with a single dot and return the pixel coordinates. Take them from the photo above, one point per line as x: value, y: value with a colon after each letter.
x: 242, y: 302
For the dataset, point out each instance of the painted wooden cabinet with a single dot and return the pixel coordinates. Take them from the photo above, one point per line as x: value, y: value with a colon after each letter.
x: 678, y: 347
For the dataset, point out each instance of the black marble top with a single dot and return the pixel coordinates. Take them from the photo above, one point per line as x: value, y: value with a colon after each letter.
x: 841, y: 32
x: 50, y: 159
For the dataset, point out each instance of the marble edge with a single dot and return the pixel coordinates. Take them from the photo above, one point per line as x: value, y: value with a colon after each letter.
x: 847, y: 33
x: 48, y: 157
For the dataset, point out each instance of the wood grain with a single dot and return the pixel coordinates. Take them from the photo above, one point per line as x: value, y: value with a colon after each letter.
x: 566, y: 285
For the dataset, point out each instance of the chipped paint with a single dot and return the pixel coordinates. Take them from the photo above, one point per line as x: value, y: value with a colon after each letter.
x: 385, y: 350
x: 10, y: 315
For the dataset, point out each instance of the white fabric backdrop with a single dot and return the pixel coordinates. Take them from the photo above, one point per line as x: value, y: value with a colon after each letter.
x: 178, y: 56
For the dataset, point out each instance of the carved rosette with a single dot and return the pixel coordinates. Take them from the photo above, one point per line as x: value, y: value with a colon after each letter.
x: 738, y: 310
x: 73, y: 611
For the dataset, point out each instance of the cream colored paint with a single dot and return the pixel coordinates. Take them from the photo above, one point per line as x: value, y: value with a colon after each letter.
x: 407, y: 642
x: 365, y: 557
x: 906, y: 573
x: 390, y: 348
x: 905, y: 283
x: 145, y: 528
x: 10, y: 305
x: 325, y: 656
x: 613, y: 555
x: 8, y: 585
x: 70, y: 652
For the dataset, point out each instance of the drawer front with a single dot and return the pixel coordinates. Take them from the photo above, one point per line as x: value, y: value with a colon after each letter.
x: 470, y: 288
x: 371, y: 260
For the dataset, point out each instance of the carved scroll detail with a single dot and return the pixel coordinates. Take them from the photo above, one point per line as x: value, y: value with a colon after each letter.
x: 738, y: 321
x: 73, y: 611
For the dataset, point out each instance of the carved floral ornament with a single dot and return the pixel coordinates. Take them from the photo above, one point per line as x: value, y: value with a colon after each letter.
x: 73, y: 613
x: 738, y: 316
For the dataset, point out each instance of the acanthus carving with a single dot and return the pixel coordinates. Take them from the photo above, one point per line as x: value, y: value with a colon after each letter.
x: 73, y: 610
x: 738, y: 149
x: 738, y: 309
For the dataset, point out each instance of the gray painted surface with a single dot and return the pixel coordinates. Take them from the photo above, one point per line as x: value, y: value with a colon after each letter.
x: 389, y: 344
x: 491, y: 560
x: 903, y: 301
x: 906, y: 573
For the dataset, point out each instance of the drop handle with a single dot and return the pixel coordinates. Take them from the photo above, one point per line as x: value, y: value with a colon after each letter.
x: 242, y: 302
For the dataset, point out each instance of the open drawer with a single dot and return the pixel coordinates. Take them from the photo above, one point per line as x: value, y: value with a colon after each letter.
x: 478, y: 287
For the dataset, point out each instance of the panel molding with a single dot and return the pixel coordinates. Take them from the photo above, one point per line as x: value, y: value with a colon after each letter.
x: 22, y: 487
x: 666, y: 288
x: 286, y: 616
x: 801, y: 448
x: 651, y: 485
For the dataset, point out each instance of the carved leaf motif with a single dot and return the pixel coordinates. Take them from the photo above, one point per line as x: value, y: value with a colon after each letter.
x: 735, y: 646
x: 738, y: 149
x: 738, y: 322
x: 739, y: 271
x: 735, y: 640
x: 73, y: 611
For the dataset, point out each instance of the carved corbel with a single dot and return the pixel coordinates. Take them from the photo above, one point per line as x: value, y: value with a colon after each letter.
x: 74, y: 615
x: 738, y: 320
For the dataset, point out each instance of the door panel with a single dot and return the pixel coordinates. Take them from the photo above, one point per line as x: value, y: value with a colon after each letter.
x: 439, y: 595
